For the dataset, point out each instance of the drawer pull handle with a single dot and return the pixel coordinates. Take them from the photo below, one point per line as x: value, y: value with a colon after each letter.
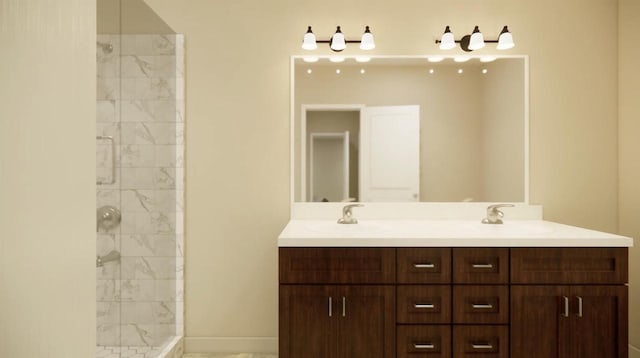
x: 344, y: 307
x: 482, y: 266
x: 427, y: 265
x: 424, y: 305
x: 485, y: 306
x: 330, y: 304
x: 579, y: 306
x: 481, y: 346
x: 424, y: 346
x: 566, y: 306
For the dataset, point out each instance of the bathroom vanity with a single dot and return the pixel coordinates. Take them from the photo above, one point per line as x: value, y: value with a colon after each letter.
x: 451, y: 288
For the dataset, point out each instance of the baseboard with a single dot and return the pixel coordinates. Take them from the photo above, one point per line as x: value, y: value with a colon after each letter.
x: 634, y: 352
x: 231, y: 344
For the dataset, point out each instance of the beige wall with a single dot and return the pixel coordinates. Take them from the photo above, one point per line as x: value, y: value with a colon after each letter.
x: 629, y: 152
x: 238, y: 98
x: 47, y: 178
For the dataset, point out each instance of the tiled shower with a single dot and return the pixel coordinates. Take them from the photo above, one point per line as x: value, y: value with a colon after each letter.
x: 140, y: 178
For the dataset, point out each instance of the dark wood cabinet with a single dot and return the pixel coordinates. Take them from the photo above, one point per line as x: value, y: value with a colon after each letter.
x: 453, y: 302
x: 337, y: 303
x: 572, y: 321
x: 337, y: 321
x: 573, y: 299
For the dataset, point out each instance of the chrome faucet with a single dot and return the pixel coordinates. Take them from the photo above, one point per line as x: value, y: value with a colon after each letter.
x: 112, y: 256
x: 494, y: 216
x: 347, y: 217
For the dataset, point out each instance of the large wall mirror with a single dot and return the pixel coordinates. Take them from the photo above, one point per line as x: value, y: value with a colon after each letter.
x: 405, y: 129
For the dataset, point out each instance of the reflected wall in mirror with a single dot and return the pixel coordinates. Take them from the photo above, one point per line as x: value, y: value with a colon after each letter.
x: 402, y: 129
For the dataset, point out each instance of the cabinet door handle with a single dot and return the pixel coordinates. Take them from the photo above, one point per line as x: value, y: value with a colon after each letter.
x: 424, y: 305
x: 482, y: 305
x: 579, y: 306
x: 566, y: 306
x: 482, y: 266
x: 483, y: 345
x: 330, y: 304
x: 425, y: 265
x: 344, y: 307
x: 424, y: 346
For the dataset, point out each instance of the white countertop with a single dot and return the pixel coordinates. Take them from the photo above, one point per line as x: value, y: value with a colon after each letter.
x: 443, y: 233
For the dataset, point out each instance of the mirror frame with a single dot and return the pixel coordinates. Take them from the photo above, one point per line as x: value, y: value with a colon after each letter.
x: 292, y: 112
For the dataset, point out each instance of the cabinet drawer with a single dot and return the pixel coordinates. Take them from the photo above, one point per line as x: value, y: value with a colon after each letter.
x: 569, y: 265
x: 481, y: 304
x: 481, y: 341
x: 424, y: 341
x: 337, y: 265
x: 424, y: 304
x: 424, y: 265
x: 481, y: 265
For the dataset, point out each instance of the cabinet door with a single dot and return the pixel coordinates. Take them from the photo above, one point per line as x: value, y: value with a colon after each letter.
x: 539, y: 318
x: 307, y: 321
x: 366, y: 322
x: 599, y: 321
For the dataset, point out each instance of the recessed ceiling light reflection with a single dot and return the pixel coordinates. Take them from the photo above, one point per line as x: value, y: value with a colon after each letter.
x: 310, y: 59
x: 487, y: 59
x: 461, y: 58
x: 336, y: 59
x: 362, y: 59
x: 435, y: 58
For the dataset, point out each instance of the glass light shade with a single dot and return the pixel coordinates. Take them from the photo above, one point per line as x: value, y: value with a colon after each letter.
x: 310, y: 59
x: 505, y: 40
x: 337, y: 41
x: 477, y: 40
x: 435, y: 58
x: 309, y: 41
x: 447, y: 42
x: 362, y: 59
x: 366, y: 43
x: 336, y: 59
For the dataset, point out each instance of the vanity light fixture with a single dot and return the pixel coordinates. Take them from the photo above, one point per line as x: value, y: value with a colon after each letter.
x: 338, y: 42
x: 435, y: 58
x: 336, y: 59
x: 475, y: 40
x: 363, y: 59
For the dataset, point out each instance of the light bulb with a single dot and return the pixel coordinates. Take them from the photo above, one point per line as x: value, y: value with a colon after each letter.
x: 447, y: 42
x: 337, y: 42
x: 366, y: 43
x: 309, y: 41
x: 505, y: 40
x: 477, y: 40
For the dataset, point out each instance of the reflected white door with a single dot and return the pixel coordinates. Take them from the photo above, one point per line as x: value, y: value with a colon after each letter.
x: 329, y: 169
x: 390, y: 153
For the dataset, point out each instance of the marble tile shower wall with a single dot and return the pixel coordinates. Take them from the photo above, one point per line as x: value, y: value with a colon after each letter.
x: 140, y: 103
